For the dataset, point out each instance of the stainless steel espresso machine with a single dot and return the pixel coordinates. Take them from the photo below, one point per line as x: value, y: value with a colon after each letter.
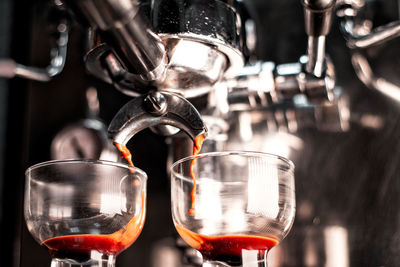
x: 315, y: 81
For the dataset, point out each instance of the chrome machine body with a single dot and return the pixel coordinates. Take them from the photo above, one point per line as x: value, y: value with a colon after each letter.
x: 312, y: 80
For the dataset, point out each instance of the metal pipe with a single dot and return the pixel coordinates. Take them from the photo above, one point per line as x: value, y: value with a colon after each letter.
x: 317, y: 18
x: 377, y: 36
x: 316, y: 55
x: 121, y: 25
x: 363, y: 38
x: 317, y: 15
x: 58, y: 55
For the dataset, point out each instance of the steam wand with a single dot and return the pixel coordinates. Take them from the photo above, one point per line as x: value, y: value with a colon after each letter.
x: 317, y: 18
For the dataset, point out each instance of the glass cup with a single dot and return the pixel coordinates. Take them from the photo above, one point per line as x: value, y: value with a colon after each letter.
x: 240, y: 205
x: 85, y: 212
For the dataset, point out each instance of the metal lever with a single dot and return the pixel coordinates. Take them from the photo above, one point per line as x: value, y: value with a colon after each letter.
x: 156, y: 108
x: 58, y: 53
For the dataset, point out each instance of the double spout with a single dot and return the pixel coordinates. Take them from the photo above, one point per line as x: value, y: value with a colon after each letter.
x: 156, y: 109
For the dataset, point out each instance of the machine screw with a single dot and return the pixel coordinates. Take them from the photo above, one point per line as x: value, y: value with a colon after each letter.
x: 155, y: 103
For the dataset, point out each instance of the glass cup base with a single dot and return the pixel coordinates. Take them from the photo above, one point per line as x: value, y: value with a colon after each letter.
x: 257, y: 263
x: 97, y: 260
x: 250, y: 258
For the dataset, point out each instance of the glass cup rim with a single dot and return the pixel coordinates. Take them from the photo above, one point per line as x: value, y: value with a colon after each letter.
x: 88, y: 161
x: 286, y: 161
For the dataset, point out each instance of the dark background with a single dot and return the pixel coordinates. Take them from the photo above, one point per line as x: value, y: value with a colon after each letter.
x: 346, y: 178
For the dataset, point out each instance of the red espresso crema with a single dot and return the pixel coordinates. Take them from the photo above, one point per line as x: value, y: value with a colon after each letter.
x: 226, y: 248
x: 80, y: 246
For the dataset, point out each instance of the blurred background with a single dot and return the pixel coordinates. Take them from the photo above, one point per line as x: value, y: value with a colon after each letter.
x: 347, y: 181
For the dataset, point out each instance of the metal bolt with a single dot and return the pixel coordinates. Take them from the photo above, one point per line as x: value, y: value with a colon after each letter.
x: 155, y: 103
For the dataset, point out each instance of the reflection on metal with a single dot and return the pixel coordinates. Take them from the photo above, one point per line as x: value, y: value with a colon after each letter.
x: 316, y: 246
x: 165, y: 254
x: 54, y: 209
x: 256, y: 131
x: 276, y: 257
x: 310, y: 252
x: 256, y: 136
x: 92, y: 102
x: 259, y: 187
x: 336, y: 246
x: 371, y: 121
x: 281, y: 144
x: 367, y: 76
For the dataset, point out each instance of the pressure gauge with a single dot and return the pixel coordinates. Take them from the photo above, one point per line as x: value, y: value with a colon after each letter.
x: 86, y: 139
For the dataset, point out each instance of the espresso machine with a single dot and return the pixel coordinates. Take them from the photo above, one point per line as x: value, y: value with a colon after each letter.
x: 312, y: 81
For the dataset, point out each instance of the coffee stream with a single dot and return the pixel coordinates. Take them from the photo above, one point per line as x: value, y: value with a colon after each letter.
x: 197, y: 144
x: 125, y: 153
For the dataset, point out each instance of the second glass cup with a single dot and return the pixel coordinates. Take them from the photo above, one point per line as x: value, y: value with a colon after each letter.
x: 233, y: 207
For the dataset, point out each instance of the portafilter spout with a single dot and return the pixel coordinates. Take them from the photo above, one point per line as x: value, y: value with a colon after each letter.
x: 155, y: 109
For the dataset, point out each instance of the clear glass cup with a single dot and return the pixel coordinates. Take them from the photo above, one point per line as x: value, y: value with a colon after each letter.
x: 244, y: 204
x: 85, y: 212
